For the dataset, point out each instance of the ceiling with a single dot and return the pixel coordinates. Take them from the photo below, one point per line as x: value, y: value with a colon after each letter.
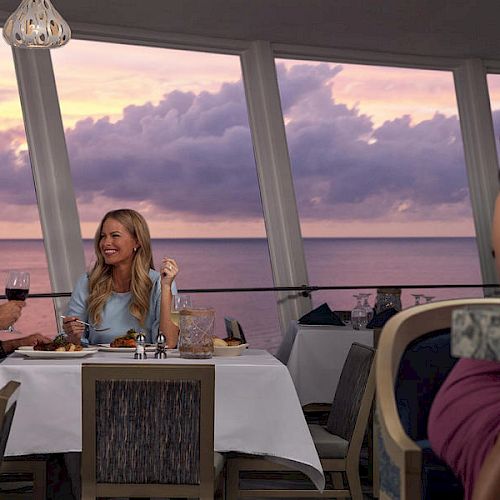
x: 452, y: 28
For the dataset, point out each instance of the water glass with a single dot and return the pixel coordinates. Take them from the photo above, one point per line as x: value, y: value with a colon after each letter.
x: 179, y: 302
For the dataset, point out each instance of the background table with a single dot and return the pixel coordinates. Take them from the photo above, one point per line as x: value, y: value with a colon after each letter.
x: 257, y: 410
x: 317, y: 357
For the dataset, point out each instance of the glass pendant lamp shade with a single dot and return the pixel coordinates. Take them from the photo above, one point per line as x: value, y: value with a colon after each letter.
x: 36, y: 24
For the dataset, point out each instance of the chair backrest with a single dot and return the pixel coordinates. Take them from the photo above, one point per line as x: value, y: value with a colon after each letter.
x: 412, y: 361
x: 147, y: 430
x: 285, y: 347
x: 350, y: 391
x: 8, y: 403
x: 425, y: 363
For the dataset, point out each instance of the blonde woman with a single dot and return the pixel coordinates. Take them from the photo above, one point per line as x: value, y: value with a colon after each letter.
x: 123, y: 290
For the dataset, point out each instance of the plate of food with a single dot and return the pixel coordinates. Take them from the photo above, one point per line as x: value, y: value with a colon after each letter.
x: 60, y: 347
x: 228, y: 347
x: 124, y: 343
x: 30, y: 352
x: 110, y: 348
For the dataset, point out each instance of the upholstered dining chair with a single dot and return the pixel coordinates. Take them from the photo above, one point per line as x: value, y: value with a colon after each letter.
x: 34, y: 466
x: 413, y: 360
x: 148, y: 430
x: 338, y: 442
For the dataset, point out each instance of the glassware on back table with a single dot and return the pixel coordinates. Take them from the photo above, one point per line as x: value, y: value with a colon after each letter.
x: 179, y: 302
x: 17, y: 287
x: 358, y: 315
x: 367, y: 307
x: 196, y: 333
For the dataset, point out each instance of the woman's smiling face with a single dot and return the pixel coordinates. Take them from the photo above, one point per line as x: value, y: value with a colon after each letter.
x: 116, y: 243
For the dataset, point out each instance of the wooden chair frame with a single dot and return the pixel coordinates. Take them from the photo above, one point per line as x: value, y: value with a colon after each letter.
x: 203, y: 373
x: 37, y: 468
x: 336, y: 467
x: 397, y: 334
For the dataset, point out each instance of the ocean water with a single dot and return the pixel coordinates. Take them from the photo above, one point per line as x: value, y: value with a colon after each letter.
x: 241, y: 263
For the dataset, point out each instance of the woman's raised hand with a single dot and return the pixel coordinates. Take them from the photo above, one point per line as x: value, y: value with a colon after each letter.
x: 72, y: 327
x: 168, y: 271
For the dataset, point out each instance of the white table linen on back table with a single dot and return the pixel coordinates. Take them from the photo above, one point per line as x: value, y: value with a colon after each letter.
x: 317, y: 357
x: 256, y: 407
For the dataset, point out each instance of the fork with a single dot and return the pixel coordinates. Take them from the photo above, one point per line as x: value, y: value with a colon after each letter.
x: 87, y: 324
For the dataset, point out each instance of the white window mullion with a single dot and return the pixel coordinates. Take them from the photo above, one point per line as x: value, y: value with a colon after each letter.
x: 480, y: 156
x: 275, y: 179
x: 51, y: 171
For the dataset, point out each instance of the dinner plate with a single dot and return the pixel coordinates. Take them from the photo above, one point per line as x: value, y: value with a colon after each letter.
x: 229, y: 350
x: 108, y: 348
x: 31, y: 353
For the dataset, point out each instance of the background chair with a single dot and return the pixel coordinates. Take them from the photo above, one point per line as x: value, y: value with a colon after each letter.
x: 148, y: 431
x: 413, y: 360
x: 32, y: 466
x: 338, y: 443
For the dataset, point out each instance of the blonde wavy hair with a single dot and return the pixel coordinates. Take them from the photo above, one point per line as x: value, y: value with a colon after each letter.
x: 101, y: 275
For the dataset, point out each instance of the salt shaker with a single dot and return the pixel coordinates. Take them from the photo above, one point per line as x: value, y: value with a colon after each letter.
x: 161, y: 346
x: 140, y: 350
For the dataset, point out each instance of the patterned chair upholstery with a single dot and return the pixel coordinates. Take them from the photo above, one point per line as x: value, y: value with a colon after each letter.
x: 413, y: 360
x: 148, y: 430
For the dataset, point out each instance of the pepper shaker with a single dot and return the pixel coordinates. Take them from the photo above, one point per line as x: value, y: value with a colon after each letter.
x: 161, y: 346
x: 140, y: 350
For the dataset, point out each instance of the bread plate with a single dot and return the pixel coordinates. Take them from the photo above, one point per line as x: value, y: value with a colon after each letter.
x: 229, y: 350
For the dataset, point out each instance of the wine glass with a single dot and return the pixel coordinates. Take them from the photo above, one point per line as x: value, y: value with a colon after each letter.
x: 17, y: 287
x: 366, y: 306
x: 358, y: 314
x: 179, y: 302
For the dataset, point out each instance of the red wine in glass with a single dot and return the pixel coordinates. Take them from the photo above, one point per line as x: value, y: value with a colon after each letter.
x: 16, y: 293
x: 17, y: 287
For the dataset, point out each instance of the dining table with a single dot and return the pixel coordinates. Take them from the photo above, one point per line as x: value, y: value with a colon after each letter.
x: 317, y: 356
x: 257, y: 410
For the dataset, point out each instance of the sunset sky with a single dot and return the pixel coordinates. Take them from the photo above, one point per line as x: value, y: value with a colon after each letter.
x: 375, y: 151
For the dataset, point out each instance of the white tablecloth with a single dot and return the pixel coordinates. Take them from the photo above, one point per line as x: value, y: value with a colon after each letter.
x: 256, y: 407
x: 317, y: 357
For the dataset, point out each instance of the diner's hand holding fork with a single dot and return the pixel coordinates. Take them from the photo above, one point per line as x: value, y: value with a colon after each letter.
x: 73, y: 327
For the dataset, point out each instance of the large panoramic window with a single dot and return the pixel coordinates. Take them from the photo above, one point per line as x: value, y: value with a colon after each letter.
x: 379, y: 174
x: 21, y: 244
x: 166, y: 132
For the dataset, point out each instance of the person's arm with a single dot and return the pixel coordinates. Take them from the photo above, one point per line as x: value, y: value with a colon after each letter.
x: 10, y: 345
x: 168, y: 272
x: 495, y: 235
x: 10, y: 312
x: 77, y: 309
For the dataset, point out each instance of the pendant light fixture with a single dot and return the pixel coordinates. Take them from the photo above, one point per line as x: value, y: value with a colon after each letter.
x: 36, y: 24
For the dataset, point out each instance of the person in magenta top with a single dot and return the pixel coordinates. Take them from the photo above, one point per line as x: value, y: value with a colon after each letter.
x: 464, y: 421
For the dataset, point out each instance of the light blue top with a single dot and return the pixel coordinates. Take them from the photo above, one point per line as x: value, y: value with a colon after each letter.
x: 116, y: 315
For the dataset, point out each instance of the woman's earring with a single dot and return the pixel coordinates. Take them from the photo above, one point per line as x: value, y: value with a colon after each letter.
x: 135, y: 249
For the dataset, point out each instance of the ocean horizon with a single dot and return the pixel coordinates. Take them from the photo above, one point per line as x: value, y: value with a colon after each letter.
x: 244, y: 263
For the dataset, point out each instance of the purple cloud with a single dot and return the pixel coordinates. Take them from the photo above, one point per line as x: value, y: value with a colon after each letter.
x: 192, y: 154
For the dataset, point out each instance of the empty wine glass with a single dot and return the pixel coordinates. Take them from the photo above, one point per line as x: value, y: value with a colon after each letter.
x: 366, y: 306
x: 358, y: 315
x: 17, y: 287
x: 179, y: 302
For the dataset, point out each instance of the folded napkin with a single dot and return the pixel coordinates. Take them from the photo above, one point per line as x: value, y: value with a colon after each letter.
x: 380, y: 319
x: 322, y: 315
